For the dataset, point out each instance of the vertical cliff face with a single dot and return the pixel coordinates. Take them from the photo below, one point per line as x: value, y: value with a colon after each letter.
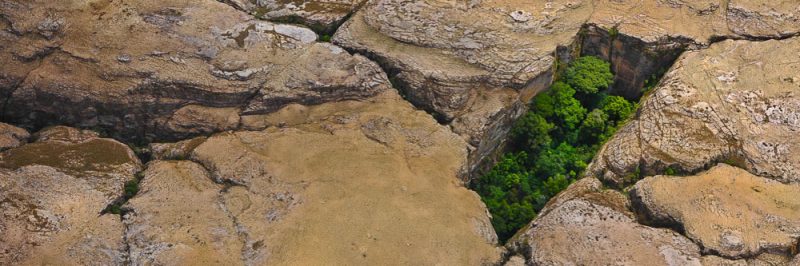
x: 636, y: 63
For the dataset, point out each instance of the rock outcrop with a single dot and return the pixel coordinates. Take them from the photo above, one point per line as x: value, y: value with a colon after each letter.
x: 475, y: 74
x: 734, y: 102
x: 322, y: 16
x: 104, y: 164
x: 12, y: 137
x: 350, y: 182
x: 164, y: 70
x: 51, y: 218
x: 642, y: 39
x: 591, y: 226
x: 52, y: 192
x: 178, y: 219
x: 726, y: 210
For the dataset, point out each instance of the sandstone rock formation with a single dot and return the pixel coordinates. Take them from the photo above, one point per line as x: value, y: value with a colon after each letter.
x: 178, y: 219
x: 726, y: 210
x: 164, y: 70
x: 733, y: 102
x: 475, y: 74
x: 52, y: 192
x: 50, y: 218
x: 12, y: 137
x: 643, y: 38
x: 104, y: 164
x: 594, y: 228
x: 350, y: 182
x: 323, y: 16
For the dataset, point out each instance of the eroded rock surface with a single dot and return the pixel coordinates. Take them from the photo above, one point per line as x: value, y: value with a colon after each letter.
x: 476, y: 74
x: 178, y: 218
x: 12, y: 137
x: 51, y: 218
x: 323, y: 16
x: 105, y: 164
x: 52, y: 192
x: 641, y: 39
x: 351, y: 182
x: 590, y: 226
x: 726, y: 210
x: 735, y: 102
x: 166, y: 69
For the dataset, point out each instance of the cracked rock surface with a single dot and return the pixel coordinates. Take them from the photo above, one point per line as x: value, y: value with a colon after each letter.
x: 51, y: 194
x: 163, y: 70
x: 475, y: 74
x: 351, y: 182
x: 735, y: 101
x: 323, y: 16
x: 590, y: 225
x: 105, y: 164
x: 178, y: 218
x: 726, y: 210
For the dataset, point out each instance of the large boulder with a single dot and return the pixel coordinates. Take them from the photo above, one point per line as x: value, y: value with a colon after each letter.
x: 711, y: 107
x: 592, y: 226
x: 352, y: 182
x: 726, y: 210
x: 165, y: 69
x: 474, y: 74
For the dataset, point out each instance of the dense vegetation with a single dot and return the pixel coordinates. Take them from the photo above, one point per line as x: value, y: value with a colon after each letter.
x: 552, y: 144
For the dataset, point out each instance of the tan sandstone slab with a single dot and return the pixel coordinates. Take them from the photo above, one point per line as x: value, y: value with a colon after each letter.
x: 105, y: 164
x: 727, y: 210
x: 12, y: 137
x: 178, y: 219
x: 475, y: 74
x: 165, y: 69
x: 353, y: 182
x: 735, y: 101
x: 323, y: 16
x: 591, y: 226
x: 52, y: 195
x: 48, y: 217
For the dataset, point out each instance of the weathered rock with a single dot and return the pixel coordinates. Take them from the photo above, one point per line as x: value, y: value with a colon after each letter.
x: 323, y: 16
x: 104, y: 164
x: 179, y: 218
x: 196, y: 119
x: 642, y: 38
x: 765, y: 259
x: 515, y: 261
x: 50, y: 218
x: 180, y: 150
x: 349, y: 182
x: 587, y: 230
x: 478, y: 73
x: 726, y: 210
x: 128, y: 67
x: 12, y: 137
x: 733, y: 102
x: 764, y: 19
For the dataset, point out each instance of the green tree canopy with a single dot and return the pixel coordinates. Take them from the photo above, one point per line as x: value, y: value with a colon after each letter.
x: 589, y: 74
x: 617, y: 108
